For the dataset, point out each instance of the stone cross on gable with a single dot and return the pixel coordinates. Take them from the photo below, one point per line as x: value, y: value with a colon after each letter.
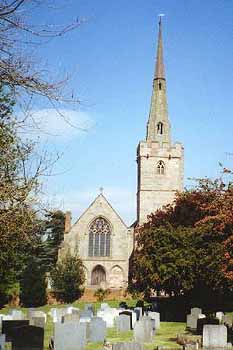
x: 101, y: 190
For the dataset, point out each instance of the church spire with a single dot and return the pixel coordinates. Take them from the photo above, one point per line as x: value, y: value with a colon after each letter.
x: 158, y: 126
x: 159, y: 71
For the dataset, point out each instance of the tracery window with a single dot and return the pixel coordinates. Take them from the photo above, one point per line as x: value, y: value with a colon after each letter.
x: 160, y: 128
x: 161, y: 168
x: 99, y: 238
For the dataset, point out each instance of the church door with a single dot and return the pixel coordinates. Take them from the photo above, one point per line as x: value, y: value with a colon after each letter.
x: 98, y: 275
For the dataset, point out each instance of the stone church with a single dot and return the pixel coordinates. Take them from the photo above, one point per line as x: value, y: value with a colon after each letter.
x: 99, y: 236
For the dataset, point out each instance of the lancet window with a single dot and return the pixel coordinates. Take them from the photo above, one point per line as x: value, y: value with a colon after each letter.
x: 99, y: 238
x: 160, y: 128
x: 161, y: 168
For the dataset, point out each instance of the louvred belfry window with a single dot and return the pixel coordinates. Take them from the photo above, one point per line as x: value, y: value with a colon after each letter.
x: 99, y: 238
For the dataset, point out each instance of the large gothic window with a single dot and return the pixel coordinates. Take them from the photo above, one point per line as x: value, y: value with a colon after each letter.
x: 161, y: 168
x: 99, y: 238
x: 160, y: 128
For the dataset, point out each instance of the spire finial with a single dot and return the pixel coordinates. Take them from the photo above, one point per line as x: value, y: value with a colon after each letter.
x: 159, y: 71
x: 101, y: 190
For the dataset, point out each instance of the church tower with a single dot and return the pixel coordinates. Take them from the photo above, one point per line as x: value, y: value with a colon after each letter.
x: 160, y: 164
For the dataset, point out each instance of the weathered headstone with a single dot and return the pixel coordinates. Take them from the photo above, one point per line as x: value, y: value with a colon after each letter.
x: 127, y: 346
x: 227, y: 319
x: 70, y: 318
x: 89, y: 307
x: 37, y: 313
x: 123, y: 323
x: 214, y: 336
x: 219, y: 315
x: 155, y: 316
x: 108, y: 315
x: 9, y: 326
x: 98, y: 330
x: 17, y: 314
x: 2, y: 341
x: 205, y: 321
x: 27, y: 338
x: 37, y: 322
x: 70, y: 336
x: 192, y: 322
x: 129, y: 314
x: 138, y: 311
x: 196, y: 311
x: 104, y: 306
x: 143, y: 330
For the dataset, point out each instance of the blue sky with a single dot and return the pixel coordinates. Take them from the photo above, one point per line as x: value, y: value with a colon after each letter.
x: 111, y: 57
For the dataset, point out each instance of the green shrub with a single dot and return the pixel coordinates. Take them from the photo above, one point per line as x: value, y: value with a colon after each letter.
x: 68, y: 278
x: 101, y: 294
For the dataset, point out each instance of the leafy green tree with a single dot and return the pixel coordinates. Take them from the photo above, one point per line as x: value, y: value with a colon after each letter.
x: 179, y: 244
x: 68, y: 278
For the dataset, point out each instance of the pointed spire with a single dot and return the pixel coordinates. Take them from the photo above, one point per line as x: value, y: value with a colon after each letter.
x: 159, y: 71
x: 158, y: 126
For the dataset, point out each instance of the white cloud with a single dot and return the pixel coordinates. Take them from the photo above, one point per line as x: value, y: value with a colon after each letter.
x: 122, y: 200
x: 58, y: 126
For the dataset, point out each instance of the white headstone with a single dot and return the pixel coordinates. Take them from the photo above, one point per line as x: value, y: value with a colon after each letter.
x: 98, y: 330
x: 155, y: 316
x: 214, y: 336
x: 143, y: 330
x: 219, y: 315
x: 2, y: 341
x: 69, y: 336
x: 195, y: 311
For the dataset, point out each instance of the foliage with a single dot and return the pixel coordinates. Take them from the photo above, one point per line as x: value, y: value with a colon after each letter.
x: 54, y: 227
x: 33, y: 284
x: 101, y: 294
x: 180, y: 243
x: 68, y: 278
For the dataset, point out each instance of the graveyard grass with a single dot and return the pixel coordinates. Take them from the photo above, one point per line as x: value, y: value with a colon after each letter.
x: 165, y: 336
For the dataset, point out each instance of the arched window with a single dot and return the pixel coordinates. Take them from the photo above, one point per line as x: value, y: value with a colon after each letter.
x: 161, y: 168
x: 160, y: 128
x: 99, y: 238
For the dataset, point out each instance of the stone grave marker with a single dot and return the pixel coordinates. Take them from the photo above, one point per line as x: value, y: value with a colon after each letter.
x: 204, y: 321
x: 70, y: 318
x: 127, y: 346
x: 156, y: 317
x: 27, y: 338
x: 98, y: 330
x: 214, y: 336
x: 129, y: 314
x: 143, y: 330
x: 228, y: 320
x: 104, y: 306
x: 195, y: 311
x: 70, y: 336
x: 37, y: 322
x: 17, y: 315
x: 192, y: 322
x: 89, y: 307
x: 219, y: 315
x: 9, y: 326
x: 123, y: 323
x: 37, y: 313
x: 2, y: 341
x: 138, y: 311
x: 108, y: 315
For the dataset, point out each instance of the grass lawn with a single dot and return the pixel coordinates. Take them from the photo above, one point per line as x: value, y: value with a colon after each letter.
x: 165, y: 336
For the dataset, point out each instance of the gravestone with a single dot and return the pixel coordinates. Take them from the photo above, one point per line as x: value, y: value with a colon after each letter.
x: 89, y: 307
x: 143, y: 330
x: 27, y: 338
x: 9, y: 326
x: 191, y: 322
x: 37, y: 322
x: 98, y: 330
x: 196, y: 311
x: 70, y: 318
x: 2, y: 341
x: 138, y: 311
x: 104, y: 306
x: 219, y: 315
x: 17, y: 314
x: 129, y: 314
x: 108, y: 315
x: 123, y: 323
x: 70, y: 336
x: 156, y: 317
x: 227, y: 319
x: 37, y: 313
x: 205, y: 321
x: 127, y: 346
x: 214, y: 336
